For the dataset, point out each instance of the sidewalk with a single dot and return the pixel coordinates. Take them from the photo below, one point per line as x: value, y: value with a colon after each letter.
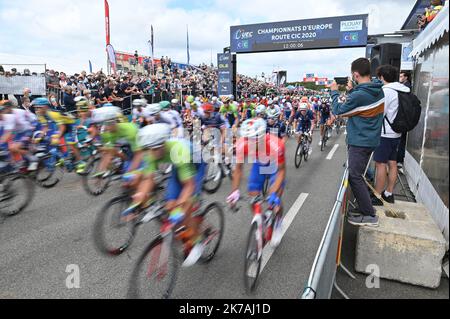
x: 356, y: 288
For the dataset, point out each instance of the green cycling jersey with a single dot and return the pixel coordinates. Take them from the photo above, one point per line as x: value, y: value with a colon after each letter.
x: 124, y: 131
x: 177, y: 153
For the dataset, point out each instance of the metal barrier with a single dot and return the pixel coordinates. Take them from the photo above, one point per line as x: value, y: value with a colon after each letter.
x: 328, y: 258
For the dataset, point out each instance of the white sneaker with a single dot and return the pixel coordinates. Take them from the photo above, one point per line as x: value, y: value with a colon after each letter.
x: 33, y: 166
x: 320, y: 143
x: 277, y: 234
x: 194, y: 255
x: 310, y: 152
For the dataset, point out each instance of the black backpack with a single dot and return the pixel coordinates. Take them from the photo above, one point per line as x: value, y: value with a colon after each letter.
x: 408, y: 115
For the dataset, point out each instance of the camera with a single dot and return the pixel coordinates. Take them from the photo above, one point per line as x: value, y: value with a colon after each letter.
x: 343, y: 80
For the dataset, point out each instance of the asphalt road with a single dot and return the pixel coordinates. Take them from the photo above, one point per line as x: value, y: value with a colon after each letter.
x: 37, y: 245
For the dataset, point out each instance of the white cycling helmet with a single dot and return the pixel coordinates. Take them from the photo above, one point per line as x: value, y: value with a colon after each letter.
x: 253, y: 128
x: 80, y: 98
x: 270, y: 102
x: 139, y: 103
x: 303, y: 107
x: 153, y: 109
x: 106, y: 114
x: 214, y: 99
x: 260, y: 109
x: 174, y: 101
x: 273, y: 113
x: 153, y: 136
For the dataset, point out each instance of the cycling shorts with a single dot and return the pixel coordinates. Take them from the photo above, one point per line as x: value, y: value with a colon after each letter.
x: 257, y: 177
x: 22, y: 137
x: 174, y: 186
x: 324, y: 118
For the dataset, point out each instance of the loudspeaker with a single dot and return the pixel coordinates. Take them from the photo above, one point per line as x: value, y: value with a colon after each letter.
x: 386, y: 53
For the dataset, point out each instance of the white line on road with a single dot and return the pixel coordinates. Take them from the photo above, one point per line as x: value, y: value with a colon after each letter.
x: 287, y: 221
x: 330, y: 155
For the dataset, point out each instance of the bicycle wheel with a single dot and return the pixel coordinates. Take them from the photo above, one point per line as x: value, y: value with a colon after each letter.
x: 112, y: 236
x: 94, y: 186
x: 155, y: 273
x: 265, y: 187
x: 48, y: 174
x: 16, y: 193
x: 305, y: 152
x: 298, y: 155
x: 213, y: 178
x: 324, y: 141
x: 252, y: 265
x: 212, y: 228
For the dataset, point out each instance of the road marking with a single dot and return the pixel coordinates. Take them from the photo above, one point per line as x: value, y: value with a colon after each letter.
x: 287, y: 221
x: 330, y: 155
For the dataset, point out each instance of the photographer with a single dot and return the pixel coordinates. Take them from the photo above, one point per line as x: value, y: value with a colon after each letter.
x: 364, y: 108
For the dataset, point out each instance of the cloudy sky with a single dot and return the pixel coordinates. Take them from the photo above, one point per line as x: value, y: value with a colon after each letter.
x: 67, y: 34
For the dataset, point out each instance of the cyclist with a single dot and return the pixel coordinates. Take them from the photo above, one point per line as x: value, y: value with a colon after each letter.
x: 230, y: 112
x: 212, y: 119
x: 85, y: 121
x: 172, y: 117
x: 325, y: 117
x: 138, y: 106
x: 248, y: 109
x: 303, y: 123
x: 275, y: 125
x: 66, y: 133
x: 17, y: 130
x: 183, y: 189
x: 271, y: 164
x: 114, y: 132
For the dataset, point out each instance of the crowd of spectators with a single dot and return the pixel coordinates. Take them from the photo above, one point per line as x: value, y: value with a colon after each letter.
x: 167, y: 81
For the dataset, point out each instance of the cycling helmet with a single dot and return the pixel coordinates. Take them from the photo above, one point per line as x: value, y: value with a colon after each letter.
x: 207, y: 107
x: 6, y: 103
x: 253, y: 128
x: 164, y: 105
x: 303, y: 107
x: 273, y: 113
x: 80, y: 98
x: 153, y: 136
x: 174, y: 101
x: 108, y: 104
x: 260, y: 109
x: 152, y: 109
x: 40, y: 102
x: 82, y: 106
x: 140, y: 103
x: 214, y: 99
x: 226, y: 99
x: 106, y: 114
x: 270, y: 102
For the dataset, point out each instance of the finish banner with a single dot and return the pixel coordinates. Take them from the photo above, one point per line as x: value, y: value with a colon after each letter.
x: 322, y: 33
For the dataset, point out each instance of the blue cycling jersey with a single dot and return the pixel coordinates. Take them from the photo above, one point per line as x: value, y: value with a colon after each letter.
x: 304, y: 122
x: 278, y: 127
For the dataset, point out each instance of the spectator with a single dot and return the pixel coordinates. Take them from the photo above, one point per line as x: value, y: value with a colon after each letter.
x: 69, y: 103
x: 364, y: 108
x: 386, y: 153
x: 405, y: 78
x: 26, y: 98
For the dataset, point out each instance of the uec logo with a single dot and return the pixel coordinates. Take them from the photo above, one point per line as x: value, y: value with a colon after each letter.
x: 351, y: 37
x: 241, y: 34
